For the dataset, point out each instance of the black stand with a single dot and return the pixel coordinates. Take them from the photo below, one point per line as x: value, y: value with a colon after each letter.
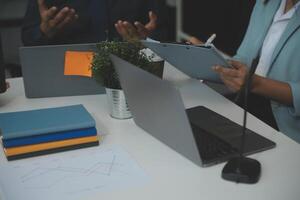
x: 242, y: 169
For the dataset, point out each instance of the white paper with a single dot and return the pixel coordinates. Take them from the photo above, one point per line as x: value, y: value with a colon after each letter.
x: 70, y: 175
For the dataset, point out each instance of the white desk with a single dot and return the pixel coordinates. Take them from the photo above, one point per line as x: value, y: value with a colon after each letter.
x: 171, y: 175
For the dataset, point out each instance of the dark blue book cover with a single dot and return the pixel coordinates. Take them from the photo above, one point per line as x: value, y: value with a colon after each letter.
x: 44, y: 121
x: 65, y: 135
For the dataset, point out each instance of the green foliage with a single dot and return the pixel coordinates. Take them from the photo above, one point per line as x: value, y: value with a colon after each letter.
x: 102, y: 67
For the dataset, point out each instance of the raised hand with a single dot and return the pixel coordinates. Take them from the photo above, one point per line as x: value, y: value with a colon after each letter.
x: 137, y: 31
x: 194, y: 41
x: 54, y: 21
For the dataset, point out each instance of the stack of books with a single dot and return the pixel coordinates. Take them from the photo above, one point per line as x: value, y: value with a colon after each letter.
x: 38, y: 132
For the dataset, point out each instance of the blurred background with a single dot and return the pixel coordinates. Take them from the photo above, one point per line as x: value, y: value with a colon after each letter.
x: 200, y: 18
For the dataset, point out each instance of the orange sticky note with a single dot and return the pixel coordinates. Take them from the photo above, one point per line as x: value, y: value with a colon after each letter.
x: 78, y: 63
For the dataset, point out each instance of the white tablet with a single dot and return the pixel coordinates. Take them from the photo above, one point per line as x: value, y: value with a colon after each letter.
x: 195, y: 61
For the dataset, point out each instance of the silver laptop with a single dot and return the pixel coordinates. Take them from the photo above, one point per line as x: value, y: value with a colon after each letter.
x: 204, y: 137
x: 43, y: 72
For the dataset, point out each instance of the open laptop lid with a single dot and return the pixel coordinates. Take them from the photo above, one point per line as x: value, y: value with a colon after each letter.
x: 43, y: 72
x: 157, y: 108
x: 195, y: 61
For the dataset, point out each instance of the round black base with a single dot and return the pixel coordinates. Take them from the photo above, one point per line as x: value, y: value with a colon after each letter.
x: 242, y: 170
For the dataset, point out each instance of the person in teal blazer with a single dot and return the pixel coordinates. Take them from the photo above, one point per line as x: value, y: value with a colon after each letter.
x: 281, y: 83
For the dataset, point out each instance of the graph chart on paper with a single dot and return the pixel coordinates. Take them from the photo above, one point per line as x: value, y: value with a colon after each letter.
x: 71, y: 174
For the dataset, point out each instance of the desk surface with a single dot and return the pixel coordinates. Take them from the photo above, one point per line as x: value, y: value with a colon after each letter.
x: 171, y: 175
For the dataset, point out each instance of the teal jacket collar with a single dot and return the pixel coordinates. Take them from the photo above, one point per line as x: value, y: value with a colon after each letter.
x: 292, y: 27
x: 269, y: 13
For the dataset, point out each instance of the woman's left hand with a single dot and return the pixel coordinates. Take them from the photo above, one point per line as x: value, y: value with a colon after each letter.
x: 234, y: 77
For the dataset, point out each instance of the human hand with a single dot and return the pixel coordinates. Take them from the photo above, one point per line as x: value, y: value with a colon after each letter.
x: 194, y: 41
x: 234, y: 78
x: 137, y: 31
x: 53, y: 20
x: 4, y: 88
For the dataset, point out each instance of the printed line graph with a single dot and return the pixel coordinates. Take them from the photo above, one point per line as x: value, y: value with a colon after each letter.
x: 99, y: 168
x: 71, y: 173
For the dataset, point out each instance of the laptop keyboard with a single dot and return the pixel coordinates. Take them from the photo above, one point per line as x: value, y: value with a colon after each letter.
x: 210, y: 146
x: 219, y: 138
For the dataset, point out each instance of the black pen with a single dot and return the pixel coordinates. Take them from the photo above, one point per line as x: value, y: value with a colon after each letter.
x: 248, y: 78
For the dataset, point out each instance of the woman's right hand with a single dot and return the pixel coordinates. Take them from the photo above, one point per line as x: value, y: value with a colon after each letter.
x: 53, y: 20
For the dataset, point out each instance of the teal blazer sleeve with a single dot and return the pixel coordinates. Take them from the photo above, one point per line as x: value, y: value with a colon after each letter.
x: 285, y: 65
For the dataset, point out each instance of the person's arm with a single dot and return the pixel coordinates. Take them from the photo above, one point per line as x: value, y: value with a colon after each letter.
x: 234, y: 79
x: 275, y: 90
x: 43, y: 24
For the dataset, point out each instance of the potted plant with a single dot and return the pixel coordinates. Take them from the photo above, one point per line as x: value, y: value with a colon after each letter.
x: 104, y: 72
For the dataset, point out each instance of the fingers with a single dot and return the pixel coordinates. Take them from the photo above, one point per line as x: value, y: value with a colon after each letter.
x: 142, y: 30
x: 42, y: 6
x: 130, y: 28
x: 46, y: 14
x: 227, y: 71
x: 68, y: 20
x: 236, y: 64
x: 152, y: 17
x: 121, y: 29
x: 127, y: 30
x: 54, y: 22
x: 137, y: 31
x: 233, y: 78
x: 152, y: 24
x: 145, y: 30
x: 50, y: 14
x: 232, y: 85
x: 194, y: 41
x: 61, y: 15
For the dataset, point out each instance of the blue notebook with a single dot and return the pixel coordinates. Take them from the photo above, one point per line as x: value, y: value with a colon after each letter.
x: 65, y: 135
x: 44, y: 121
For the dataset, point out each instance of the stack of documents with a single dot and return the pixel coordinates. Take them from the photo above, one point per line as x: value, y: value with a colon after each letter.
x: 38, y: 132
